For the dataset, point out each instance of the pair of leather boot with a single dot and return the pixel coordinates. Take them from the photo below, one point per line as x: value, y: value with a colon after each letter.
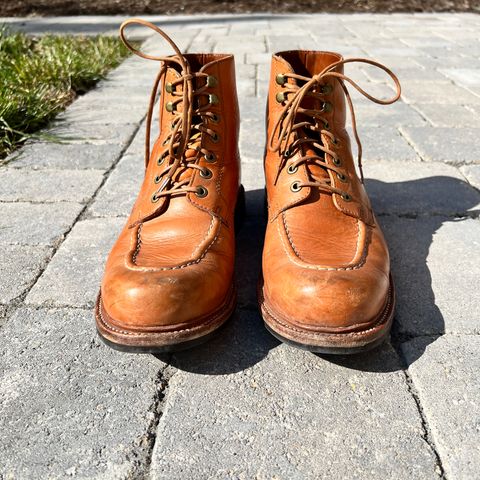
x: 326, y: 283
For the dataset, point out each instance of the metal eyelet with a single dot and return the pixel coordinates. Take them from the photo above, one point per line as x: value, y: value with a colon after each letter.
x: 327, y: 107
x: 168, y: 87
x: 165, y: 142
x: 161, y: 159
x: 291, y: 169
x: 326, y: 89
x: 170, y: 106
x: 280, y: 97
x: 336, y: 142
x: 212, y: 99
x: 336, y: 161
x: 210, y: 157
x: 346, y: 197
x: 326, y: 126
x: 201, y: 191
x: 280, y: 79
x: 157, y: 179
x: 206, y: 173
x: 211, y: 81
x: 154, y: 198
x: 215, y: 137
x: 343, y: 178
x: 215, y: 118
x: 295, y: 187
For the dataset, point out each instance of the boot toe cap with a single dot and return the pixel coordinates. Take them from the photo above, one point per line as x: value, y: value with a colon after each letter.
x: 164, y: 300
x: 329, y: 301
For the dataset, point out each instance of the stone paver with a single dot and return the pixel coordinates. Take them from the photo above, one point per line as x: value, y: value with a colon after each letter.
x: 452, y: 116
x: 71, y: 407
x: 48, y: 185
x: 384, y: 143
x: 245, y: 406
x: 73, y: 276
x: 269, y: 411
x: 59, y: 156
x: 20, y: 266
x: 445, y: 372
x: 433, y: 296
x: 85, y: 132
x: 418, y: 188
x: 472, y: 173
x: 117, y: 196
x: 23, y: 223
x: 442, y: 144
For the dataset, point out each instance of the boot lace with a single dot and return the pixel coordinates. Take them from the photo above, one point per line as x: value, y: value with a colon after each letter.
x: 182, y: 146
x: 298, y: 127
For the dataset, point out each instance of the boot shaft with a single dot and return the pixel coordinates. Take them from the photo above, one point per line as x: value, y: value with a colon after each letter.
x: 220, y: 91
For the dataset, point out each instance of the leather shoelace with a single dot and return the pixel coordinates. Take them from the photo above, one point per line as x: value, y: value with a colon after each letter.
x: 288, y: 126
x: 182, y: 145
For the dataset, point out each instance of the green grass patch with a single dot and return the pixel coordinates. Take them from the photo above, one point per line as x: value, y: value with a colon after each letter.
x: 40, y: 76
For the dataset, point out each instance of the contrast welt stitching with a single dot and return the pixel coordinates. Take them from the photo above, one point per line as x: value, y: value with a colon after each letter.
x: 213, y: 319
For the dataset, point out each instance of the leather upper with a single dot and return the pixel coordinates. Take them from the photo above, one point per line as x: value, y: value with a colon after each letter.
x: 173, y: 261
x: 325, y: 263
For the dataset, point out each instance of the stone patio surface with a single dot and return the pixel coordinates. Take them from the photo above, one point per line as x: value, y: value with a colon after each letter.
x: 245, y: 406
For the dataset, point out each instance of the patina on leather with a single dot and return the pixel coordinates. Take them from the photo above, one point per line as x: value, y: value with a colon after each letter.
x: 326, y: 269
x: 169, y: 277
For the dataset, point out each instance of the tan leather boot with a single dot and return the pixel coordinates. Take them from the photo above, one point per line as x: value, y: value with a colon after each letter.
x: 168, y: 281
x: 326, y: 270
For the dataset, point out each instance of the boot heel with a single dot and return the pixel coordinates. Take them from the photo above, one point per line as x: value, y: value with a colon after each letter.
x: 240, y: 208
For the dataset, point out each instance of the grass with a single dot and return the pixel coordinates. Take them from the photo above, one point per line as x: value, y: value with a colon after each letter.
x: 40, y: 76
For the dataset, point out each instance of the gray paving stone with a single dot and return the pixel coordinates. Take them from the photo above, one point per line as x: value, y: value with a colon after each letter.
x: 446, y: 377
x: 437, y: 93
x: 66, y: 156
x: 257, y: 58
x: 246, y: 87
x: 264, y: 420
x: 68, y: 132
x: 435, y: 264
x: 73, y: 276
x: 410, y: 74
x: 70, y: 406
x: 20, y: 266
x: 244, y: 70
x: 252, y: 129
x: 119, y: 192
x: 454, y: 116
x: 238, y: 45
x: 472, y: 173
x: 418, y: 188
x: 48, y: 185
x: 443, y: 144
x: 23, y: 223
x: 383, y: 143
x: 469, y: 77
x: 112, y: 114
x: 371, y: 115
x: 3, y: 313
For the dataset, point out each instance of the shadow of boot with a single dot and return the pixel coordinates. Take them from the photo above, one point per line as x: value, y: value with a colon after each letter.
x: 243, y: 341
x: 411, y: 214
